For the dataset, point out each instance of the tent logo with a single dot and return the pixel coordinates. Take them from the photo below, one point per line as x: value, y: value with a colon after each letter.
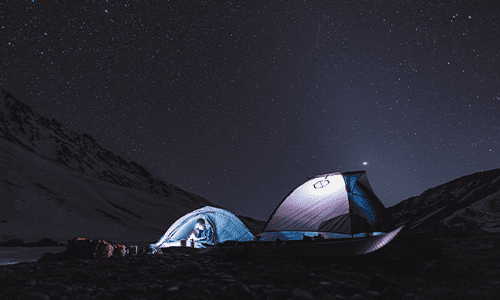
x: 321, y: 184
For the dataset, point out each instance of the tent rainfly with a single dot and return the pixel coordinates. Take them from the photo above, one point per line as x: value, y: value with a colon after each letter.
x: 334, y: 205
x: 223, y: 225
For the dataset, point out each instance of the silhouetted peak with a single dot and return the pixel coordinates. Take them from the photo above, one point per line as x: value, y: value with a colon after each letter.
x: 467, y: 203
x: 81, y: 152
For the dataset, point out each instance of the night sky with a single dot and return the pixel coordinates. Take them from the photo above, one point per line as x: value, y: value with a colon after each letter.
x: 241, y: 101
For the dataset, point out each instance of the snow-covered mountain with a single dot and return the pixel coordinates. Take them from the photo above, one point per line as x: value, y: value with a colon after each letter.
x: 59, y: 184
x: 468, y: 203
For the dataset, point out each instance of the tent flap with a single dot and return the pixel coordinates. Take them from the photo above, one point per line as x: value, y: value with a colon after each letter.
x: 340, y: 224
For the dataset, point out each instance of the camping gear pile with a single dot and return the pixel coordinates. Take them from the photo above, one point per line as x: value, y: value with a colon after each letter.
x: 86, y: 248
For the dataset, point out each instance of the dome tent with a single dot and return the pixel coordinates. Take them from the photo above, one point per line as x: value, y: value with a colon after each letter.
x: 335, y: 205
x: 223, y: 224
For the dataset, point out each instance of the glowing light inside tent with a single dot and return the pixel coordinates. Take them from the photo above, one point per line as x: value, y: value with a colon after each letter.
x: 333, y: 205
x: 312, y: 203
x: 224, y: 226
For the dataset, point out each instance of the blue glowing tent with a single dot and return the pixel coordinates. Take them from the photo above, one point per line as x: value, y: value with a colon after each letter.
x: 222, y: 225
x: 335, y: 205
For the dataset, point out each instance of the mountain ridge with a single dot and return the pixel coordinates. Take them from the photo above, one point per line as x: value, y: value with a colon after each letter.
x: 59, y: 184
x: 469, y: 203
x: 80, y: 151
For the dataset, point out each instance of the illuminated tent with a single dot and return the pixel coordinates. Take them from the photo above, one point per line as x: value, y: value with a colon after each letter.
x: 223, y: 225
x: 334, y: 205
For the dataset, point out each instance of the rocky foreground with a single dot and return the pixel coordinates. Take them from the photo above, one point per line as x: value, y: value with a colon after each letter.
x: 460, y: 268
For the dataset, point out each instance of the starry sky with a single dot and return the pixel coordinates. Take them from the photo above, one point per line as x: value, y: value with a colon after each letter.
x: 241, y: 101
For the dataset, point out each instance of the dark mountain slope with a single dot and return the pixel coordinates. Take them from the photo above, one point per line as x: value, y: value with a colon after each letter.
x: 58, y: 184
x: 470, y: 202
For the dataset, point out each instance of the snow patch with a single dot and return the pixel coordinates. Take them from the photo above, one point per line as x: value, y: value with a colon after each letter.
x: 427, y: 216
x: 460, y: 190
x: 486, y: 220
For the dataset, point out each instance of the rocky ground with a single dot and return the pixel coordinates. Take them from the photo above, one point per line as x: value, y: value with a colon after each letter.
x: 448, y: 268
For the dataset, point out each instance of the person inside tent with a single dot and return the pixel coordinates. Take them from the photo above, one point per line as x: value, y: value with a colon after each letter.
x: 201, y: 233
